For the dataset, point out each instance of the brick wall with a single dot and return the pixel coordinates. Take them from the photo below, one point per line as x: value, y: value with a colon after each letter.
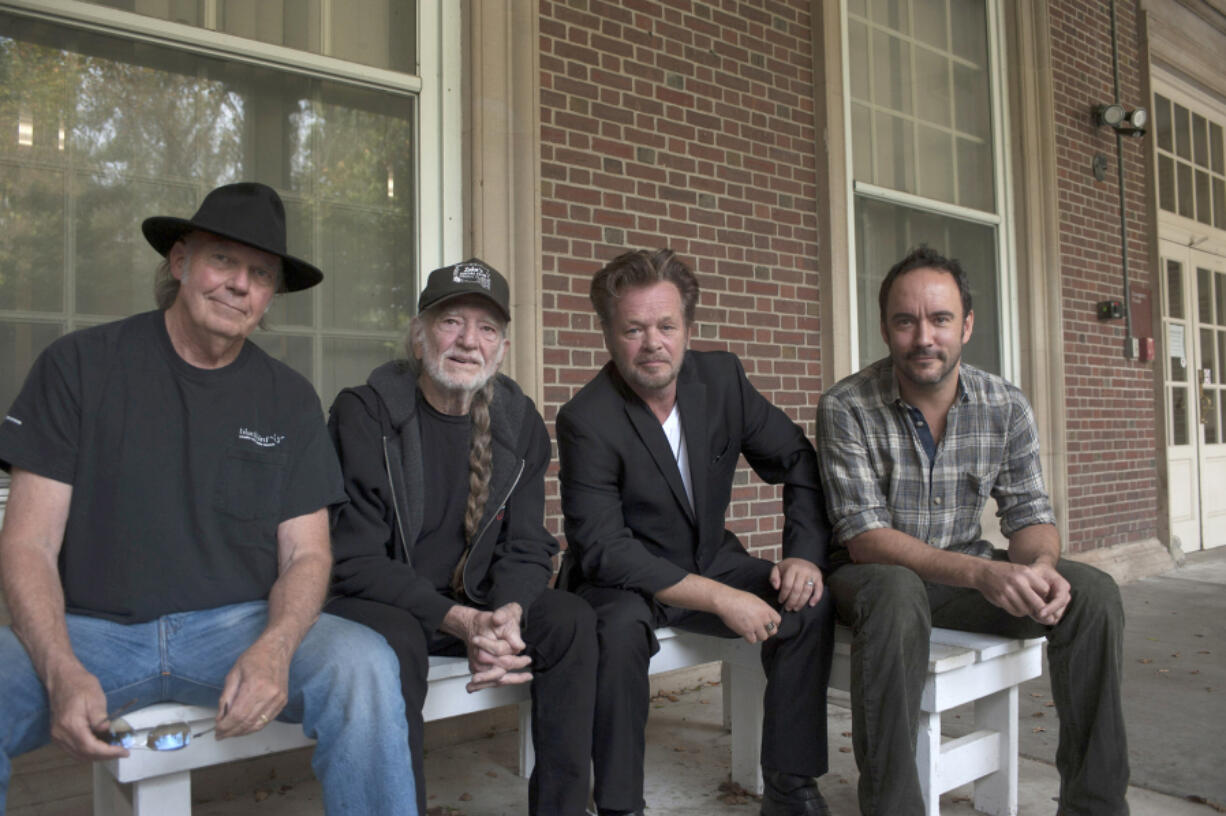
x: 689, y: 124
x: 685, y: 124
x: 1113, y: 496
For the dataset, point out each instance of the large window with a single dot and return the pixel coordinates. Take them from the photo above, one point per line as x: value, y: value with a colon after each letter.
x: 926, y: 148
x: 99, y: 130
x: 1191, y: 162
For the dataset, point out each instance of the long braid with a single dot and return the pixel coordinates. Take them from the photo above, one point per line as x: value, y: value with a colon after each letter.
x: 480, y: 460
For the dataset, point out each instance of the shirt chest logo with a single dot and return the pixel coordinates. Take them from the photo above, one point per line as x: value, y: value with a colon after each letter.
x: 263, y: 440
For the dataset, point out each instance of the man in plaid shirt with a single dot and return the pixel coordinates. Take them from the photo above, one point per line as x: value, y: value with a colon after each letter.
x: 910, y: 449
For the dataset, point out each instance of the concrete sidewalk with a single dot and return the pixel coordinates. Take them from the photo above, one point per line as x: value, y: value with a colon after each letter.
x: 1175, y: 679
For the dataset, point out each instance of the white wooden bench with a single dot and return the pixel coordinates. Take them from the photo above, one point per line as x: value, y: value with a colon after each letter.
x: 158, y: 783
x: 962, y: 668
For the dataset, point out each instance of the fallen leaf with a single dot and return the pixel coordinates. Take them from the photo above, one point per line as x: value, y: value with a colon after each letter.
x: 1204, y: 651
x: 672, y: 698
x: 1038, y: 714
x: 1035, y: 694
x: 1174, y: 654
x: 261, y: 795
x: 847, y: 733
x: 1164, y: 671
x: 466, y: 797
x: 730, y: 793
x: 843, y: 749
x: 492, y: 774
x: 1038, y: 730
x: 1145, y: 660
x: 1200, y: 800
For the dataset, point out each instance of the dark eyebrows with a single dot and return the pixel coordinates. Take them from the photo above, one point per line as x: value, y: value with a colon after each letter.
x: 894, y: 318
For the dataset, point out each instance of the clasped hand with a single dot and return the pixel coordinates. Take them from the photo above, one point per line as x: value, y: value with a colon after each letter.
x: 495, y: 648
x: 1033, y: 590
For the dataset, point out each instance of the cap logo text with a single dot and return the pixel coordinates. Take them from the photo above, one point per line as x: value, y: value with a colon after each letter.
x: 471, y: 273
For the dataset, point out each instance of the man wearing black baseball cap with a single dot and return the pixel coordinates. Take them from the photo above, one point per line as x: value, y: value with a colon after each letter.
x: 442, y: 547
x: 166, y: 536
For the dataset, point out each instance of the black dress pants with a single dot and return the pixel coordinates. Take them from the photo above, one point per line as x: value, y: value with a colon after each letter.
x: 796, y: 661
x: 560, y: 635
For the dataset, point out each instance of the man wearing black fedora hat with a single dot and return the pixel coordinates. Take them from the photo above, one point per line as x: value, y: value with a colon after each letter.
x: 442, y: 547
x: 166, y: 536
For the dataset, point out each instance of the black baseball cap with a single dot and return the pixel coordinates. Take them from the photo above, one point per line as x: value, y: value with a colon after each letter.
x: 471, y: 277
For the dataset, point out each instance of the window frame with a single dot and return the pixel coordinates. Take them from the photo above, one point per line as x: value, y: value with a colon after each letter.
x: 1172, y: 225
x: 1002, y: 220
x: 439, y: 194
x: 440, y: 191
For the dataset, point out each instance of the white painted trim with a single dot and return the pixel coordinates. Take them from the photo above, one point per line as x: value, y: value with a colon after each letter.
x: 926, y: 204
x: 853, y: 294
x: 440, y: 202
x: 131, y: 26
x: 1006, y: 255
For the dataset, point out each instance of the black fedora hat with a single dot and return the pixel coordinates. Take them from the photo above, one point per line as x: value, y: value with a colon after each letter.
x: 248, y: 212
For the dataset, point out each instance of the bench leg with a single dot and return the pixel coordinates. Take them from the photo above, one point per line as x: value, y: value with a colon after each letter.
x: 169, y: 795
x: 111, y: 798
x: 927, y: 759
x: 527, y: 753
x: 996, y: 793
x: 743, y: 690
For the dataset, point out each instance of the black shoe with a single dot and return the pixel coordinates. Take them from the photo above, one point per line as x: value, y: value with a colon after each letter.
x: 791, y: 795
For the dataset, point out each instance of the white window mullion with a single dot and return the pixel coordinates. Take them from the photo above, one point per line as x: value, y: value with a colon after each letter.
x: 853, y: 294
x: 1010, y: 354
x: 440, y: 122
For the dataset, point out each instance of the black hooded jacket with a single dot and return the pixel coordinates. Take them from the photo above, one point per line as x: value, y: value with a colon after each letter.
x: 377, y: 434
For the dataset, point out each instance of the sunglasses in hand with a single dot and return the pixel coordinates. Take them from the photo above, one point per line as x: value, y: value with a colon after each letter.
x: 170, y: 736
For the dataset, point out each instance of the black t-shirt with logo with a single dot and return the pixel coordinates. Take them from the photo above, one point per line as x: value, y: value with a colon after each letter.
x: 444, y: 453
x: 180, y: 475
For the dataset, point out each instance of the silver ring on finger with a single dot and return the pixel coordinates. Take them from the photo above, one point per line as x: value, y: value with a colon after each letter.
x: 810, y: 582
x: 770, y: 627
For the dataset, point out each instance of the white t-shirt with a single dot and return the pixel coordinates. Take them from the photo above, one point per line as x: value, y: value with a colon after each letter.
x: 676, y: 441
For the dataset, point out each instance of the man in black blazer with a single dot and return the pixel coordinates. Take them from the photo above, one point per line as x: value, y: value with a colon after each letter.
x: 648, y: 450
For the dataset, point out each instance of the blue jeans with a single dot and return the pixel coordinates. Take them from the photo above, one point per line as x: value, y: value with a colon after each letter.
x: 344, y: 687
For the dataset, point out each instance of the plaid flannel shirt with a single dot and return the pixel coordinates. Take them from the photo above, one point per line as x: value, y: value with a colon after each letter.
x: 875, y: 471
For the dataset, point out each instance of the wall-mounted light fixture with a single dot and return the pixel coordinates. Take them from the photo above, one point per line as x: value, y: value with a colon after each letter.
x: 1124, y: 122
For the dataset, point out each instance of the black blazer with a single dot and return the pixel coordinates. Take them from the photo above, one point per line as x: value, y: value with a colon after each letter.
x: 628, y: 521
